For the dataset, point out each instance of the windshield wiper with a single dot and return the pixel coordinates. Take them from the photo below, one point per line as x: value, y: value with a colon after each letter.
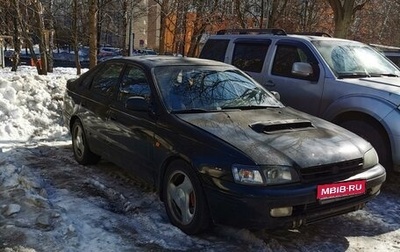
x: 388, y: 75
x: 353, y: 75
x: 248, y: 107
x: 193, y: 110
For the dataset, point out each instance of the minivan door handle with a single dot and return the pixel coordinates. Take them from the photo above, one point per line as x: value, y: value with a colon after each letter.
x: 270, y: 83
x: 112, y: 116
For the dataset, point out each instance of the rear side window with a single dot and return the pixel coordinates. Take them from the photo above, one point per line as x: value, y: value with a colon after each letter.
x: 105, y: 81
x: 250, y: 57
x: 215, y: 49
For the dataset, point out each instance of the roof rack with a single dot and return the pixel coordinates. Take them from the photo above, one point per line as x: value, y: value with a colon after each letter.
x: 320, y: 34
x: 273, y: 31
x: 386, y: 48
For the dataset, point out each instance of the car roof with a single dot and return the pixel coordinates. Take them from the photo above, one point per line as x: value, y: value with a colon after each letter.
x: 156, y: 60
x: 308, y: 37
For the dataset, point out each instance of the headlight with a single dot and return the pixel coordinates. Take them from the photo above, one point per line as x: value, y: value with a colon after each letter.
x: 370, y: 158
x: 264, y: 175
x: 280, y: 175
x: 247, y: 175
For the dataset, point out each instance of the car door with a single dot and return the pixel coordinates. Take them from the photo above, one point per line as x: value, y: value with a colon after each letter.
x: 102, y: 89
x: 300, y: 92
x: 132, y: 129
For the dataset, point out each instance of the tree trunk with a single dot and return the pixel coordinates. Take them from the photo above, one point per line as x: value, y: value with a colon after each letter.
x: 344, y: 12
x: 40, y: 32
x: 198, y: 30
x: 93, y: 9
x: 178, y: 31
x: 125, y: 24
x: 17, y: 43
x: 75, y: 36
x: 99, y: 17
x: 239, y: 14
x: 25, y: 34
x: 163, y: 21
x: 50, y: 61
x: 195, y: 40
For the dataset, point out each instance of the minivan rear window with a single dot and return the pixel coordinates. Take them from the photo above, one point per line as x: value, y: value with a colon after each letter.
x: 215, y: 49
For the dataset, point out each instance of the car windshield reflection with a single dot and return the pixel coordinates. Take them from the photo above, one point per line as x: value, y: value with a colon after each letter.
x: 354, y: 60
x: 189, y: 89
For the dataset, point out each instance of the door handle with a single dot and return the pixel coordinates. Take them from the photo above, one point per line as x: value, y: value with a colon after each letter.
x: 270, y: 83
x: 112, y: 116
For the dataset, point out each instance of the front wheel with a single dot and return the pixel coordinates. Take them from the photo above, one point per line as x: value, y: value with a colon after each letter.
x: 371, y: 132
x: 82, y: 152
x: 184, y: 199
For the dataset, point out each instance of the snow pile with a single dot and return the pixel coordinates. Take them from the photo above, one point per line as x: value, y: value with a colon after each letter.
x: 31, y: 104
x: 48, y: 202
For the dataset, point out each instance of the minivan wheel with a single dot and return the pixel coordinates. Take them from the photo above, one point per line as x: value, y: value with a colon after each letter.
x: 372, y: 133
x: 82, y: 152
x: 184, y: 199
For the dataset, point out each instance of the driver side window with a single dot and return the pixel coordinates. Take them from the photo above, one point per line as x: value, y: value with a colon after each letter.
x: 286, y: 56
x: 134, y: 83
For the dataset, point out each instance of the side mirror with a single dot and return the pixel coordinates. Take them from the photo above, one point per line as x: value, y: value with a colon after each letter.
x: 302, y: 69
x: 137, y: 103
x: 276, y: 95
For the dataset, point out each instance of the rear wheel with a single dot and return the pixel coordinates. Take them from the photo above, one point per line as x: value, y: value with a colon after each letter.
x: 372, y: 132
x: 82, y: 152
x: 184, y: 199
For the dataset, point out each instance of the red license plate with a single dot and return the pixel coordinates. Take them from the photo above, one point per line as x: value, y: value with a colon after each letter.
x: 342, y: 189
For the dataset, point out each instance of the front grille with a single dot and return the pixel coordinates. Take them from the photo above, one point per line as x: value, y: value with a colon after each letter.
x: 323, y: 172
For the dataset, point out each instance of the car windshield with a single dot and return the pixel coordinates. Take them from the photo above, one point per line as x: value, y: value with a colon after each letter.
x: 352, y: 59
x: 210, y: 88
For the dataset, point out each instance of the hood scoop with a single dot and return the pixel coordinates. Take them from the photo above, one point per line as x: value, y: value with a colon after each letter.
x: 271, y: 127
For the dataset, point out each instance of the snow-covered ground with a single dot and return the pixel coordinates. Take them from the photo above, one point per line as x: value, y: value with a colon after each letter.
x: 50, y: 203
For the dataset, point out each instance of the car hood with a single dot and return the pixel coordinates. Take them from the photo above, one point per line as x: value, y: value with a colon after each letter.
x: 387, y: 84
x: 281, y: 136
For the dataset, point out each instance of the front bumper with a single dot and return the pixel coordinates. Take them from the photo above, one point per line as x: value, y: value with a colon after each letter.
x: 249, y: 207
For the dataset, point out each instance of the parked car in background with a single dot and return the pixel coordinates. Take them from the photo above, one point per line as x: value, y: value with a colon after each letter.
x: 146, y: 52
x: 393, y: 56
x: 217, y: 146
x: 343, y: 81
x: 391, y: 52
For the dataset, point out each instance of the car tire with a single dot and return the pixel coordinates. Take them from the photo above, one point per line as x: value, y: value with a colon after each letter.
x: 371, y: 132
x: 184, y: 199
x: 80, y: 146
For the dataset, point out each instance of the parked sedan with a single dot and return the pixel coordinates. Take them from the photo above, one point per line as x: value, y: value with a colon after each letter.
x: 218, y: 147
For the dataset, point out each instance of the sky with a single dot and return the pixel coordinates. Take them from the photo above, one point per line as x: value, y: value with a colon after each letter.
x: 48, y: 202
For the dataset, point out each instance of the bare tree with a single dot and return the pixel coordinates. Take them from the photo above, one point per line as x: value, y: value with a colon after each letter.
x: 344, y: 11
x: 75, y: 43
x: 13, y: 15
x: 25, y: 31
x: 40, y: 33
x: 93, y: 11
x: 239, y: 13
x: 165, y: 11
x: 50, y: 35
x: 204, y: 16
